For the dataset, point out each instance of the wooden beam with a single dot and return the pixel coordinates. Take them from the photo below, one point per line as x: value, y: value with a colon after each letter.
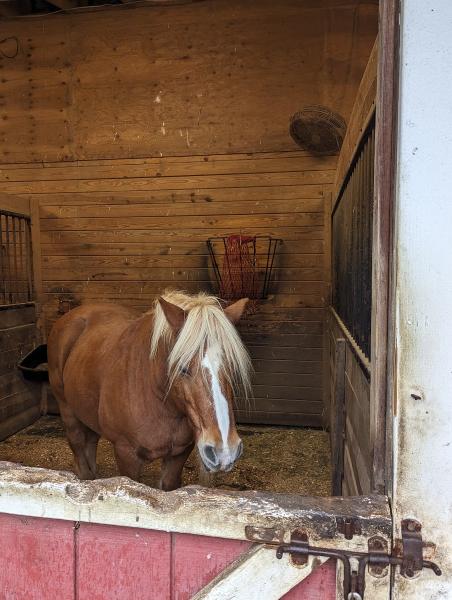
x: 382, y: 251
x: 14, y: 204
x: 9, y: 9
x: 24, y: 6
x: 64, y: 4
x: 327, y: 270
x: 338, y: 418
x: 36, y: 262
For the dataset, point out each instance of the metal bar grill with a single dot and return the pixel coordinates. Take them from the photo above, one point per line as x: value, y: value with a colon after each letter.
x: 352, y: 244
x: 16, y: 284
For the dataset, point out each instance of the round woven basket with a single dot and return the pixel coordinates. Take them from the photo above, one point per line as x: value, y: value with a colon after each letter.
x: 318, y: 130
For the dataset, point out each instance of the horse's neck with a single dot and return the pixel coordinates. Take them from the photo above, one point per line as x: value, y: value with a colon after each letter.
x: 149, y: 374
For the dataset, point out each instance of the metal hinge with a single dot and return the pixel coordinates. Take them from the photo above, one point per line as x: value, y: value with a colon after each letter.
x: 407, y: 554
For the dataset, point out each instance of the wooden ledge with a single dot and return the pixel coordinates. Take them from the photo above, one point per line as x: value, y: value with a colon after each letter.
x: 196, y: 510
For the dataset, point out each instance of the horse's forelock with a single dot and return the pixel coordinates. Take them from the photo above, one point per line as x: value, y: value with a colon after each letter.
x: 206, y: 326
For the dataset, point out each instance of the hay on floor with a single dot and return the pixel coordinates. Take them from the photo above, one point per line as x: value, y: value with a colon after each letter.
x: 275, y: 459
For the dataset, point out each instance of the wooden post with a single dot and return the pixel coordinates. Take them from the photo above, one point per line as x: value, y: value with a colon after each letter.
x: 338, y: 418
x: 385, y: 161
x: 326, y: 395
x: 36, y: 261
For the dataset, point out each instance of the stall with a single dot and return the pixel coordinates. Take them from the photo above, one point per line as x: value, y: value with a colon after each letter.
x: 238, y: 148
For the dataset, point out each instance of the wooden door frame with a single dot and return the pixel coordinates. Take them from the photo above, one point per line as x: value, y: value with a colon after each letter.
x: 382, y: 251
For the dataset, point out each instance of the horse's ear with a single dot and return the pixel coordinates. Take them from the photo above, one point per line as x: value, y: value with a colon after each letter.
x: 235, y: 311
x: 174, y: 314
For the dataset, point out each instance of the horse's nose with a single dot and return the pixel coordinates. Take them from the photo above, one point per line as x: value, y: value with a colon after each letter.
x: 217, y: 458
x: 210, y: 457
x: 239, y: 450
x: 229, y: 459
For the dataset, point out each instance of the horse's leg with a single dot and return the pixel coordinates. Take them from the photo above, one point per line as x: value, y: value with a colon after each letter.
x: 79, y: 436
x: 82, y: 440
x: 76, y: 434
x: 172, y: 466
x: 91, y: 441
x: 129, y: 464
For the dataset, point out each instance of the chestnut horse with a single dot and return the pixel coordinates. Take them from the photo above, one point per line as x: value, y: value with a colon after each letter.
x: 154, y: 385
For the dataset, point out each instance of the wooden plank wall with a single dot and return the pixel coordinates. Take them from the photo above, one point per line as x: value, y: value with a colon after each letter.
x: 19, y: 333
x: 114, y: 230
x: 19, y: 400
x: 93, y: 562
x: 144, y: 132
x: 219, y: 76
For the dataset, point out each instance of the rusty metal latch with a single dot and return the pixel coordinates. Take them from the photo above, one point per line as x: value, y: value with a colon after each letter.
x: 407, y: 554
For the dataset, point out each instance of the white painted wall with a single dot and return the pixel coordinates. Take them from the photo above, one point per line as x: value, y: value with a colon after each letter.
x: 423, y: 245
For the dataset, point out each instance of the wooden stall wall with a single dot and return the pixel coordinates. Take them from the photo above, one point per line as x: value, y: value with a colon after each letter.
x: 19, y: 400
x: 348, y: 397
x: 211, y: 77
x: 113, y: 230
x: 144, y: 135
x: 350, y: 406
x: 19, y: 333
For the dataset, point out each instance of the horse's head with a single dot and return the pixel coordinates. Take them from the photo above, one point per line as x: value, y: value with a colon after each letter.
x: 206, y: 361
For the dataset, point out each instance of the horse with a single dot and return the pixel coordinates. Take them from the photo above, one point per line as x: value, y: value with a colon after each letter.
x: 155, y: 385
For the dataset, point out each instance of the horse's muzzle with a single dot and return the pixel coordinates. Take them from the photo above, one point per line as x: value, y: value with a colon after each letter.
x: 218, y: 458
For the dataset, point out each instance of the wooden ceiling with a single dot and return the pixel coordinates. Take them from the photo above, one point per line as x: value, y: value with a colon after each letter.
x: 14, y: 8
x: 17, y: 8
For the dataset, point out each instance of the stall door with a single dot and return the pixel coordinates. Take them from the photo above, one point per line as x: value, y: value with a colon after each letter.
x: 119, y: 539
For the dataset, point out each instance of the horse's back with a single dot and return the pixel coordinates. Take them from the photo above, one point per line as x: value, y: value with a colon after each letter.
x: 79, y: 335
x: 68, y: 328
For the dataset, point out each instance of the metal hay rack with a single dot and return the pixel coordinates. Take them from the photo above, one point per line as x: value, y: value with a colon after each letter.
x: 243, y: 266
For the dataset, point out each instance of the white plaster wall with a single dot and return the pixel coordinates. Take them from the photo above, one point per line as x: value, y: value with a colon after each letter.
x: 423, y: 245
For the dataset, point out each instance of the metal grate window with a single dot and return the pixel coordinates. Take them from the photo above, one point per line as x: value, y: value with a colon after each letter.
x: 352, y: 245
x: 16, y: 283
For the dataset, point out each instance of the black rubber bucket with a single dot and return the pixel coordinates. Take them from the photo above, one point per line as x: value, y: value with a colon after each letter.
x: 34, y: 364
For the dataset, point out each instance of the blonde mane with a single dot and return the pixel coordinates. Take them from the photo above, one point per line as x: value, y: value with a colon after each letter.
x: 206, y: 326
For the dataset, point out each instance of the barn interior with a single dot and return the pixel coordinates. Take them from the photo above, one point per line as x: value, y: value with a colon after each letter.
x: 132, y: 133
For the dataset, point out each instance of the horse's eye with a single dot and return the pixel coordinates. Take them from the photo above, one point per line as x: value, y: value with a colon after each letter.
x: 185, y: 371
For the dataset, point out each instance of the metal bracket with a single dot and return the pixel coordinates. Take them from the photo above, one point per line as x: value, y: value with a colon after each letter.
x: 299, y: 538
x: 349, y: 526
x: 378, y: 547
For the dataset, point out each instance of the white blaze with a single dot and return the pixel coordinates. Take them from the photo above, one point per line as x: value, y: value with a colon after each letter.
x: 211, y: 362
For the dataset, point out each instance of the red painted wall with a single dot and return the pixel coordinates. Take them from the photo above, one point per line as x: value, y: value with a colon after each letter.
x: 45, y: 559
x: 36, y: 559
